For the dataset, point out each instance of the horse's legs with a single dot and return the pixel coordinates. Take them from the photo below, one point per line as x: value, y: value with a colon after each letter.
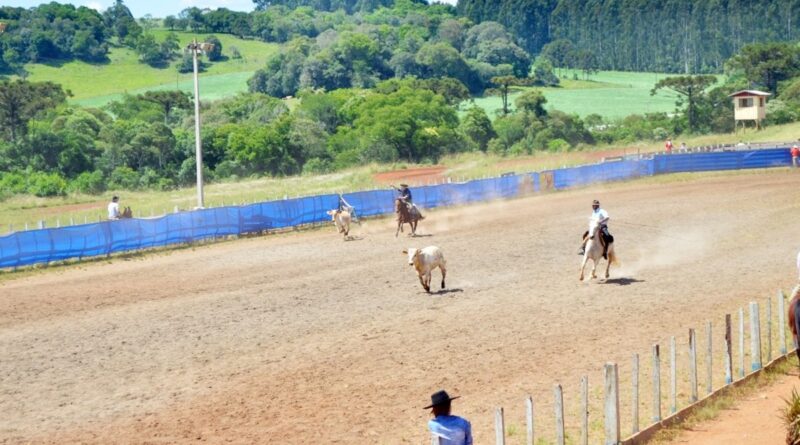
x: 583, y: 265
x: 413, y: 227
x: 399, y: 227
x: 608, y: 261
x: 594, y: 268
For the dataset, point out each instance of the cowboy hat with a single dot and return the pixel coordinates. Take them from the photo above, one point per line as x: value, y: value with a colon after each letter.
x: 595, y: 203
x: 440, y: 398
x: 403, y: 185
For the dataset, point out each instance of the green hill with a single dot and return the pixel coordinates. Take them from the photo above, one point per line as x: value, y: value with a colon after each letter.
x: 97, y: 84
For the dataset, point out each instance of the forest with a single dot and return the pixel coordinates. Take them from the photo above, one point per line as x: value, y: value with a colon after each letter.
x: 354, y: 82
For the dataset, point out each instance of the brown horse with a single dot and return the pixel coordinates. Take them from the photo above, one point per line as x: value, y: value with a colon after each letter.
x: 406, y: 214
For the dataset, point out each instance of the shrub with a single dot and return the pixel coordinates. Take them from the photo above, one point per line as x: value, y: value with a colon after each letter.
x: 90, y: 183
x: 791, y: 418
x: 46, y: 184
x: 558, y: 145
x: 13, y: 183
x: 317, y: 166
x: 123, y: 178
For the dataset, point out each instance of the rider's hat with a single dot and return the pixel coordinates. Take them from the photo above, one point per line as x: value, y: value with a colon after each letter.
x: 404, y: 185
x: 595, y: 203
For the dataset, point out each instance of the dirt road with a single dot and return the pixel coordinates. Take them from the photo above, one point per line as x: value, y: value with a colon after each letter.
x: 302, y: 338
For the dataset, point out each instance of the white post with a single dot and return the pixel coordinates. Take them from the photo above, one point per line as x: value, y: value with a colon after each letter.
x: 673, y: 377
x: 782, y: 321
x: 436, y: 440
x: 499, y: 427
x: 709, y: 375
x: 612, y: 404
x: 41, y: 224
x: 26, y: 227
x: 559, y: 407
x: 656, y: 384
x: 635, y: 402
x: 693, y: 365
x: 195, y: 47
x: 85, y: 219
x: 71, y: 221
x: 584, y: 410
x: 58, y: 222
x: 769, y: 330
x: 755, y: 338
x: 741, y: 343
x: 529, y: 416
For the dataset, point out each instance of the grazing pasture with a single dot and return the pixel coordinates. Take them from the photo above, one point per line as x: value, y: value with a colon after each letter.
x: 299, y: 338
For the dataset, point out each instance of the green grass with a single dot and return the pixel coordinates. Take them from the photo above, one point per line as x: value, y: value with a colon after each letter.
x: 97, y: 84
x: 611, y: 94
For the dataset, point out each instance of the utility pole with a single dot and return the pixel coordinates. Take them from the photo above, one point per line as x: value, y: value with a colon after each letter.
x: 196, y: 48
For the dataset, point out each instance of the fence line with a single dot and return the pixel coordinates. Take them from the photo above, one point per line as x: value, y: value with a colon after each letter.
x: 611, y: 383
x: 45, y: 245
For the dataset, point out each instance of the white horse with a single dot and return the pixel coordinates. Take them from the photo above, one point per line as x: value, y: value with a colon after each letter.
x: 594, y: 251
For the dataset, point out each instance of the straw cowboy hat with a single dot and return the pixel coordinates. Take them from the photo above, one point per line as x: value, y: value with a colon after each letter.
x: 440, y: 398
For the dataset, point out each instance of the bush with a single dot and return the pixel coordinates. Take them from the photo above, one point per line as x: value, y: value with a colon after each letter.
x: 558, y: 145
x: 90, y: 183
x: 316, y: 166
x: 123, y: 178
x: 660, y: 134
x: 46, y: 184
x: 13, y: 183
x: 227, y: 169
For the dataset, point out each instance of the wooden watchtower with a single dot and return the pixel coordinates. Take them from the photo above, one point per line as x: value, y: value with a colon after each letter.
x: 749, y: 105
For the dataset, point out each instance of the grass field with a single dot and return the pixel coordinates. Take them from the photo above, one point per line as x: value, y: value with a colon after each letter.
x: 19, y: 210
x: 611, y: 94
x: 97, y: 84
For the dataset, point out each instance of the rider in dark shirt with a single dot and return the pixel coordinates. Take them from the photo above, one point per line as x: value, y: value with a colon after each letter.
x: 405, y: 195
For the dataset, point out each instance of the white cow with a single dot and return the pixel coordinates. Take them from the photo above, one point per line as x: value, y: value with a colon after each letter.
x: 424, y: 261
x: 341, y: 219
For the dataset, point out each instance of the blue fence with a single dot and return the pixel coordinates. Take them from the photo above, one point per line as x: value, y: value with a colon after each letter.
x: 104, y: 238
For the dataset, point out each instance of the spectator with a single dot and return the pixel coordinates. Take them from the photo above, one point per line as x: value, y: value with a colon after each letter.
x: 795, y: 155
x: 113, y: 209
x: 668, y: 146
x: 684, y: 148
x: 452, y: 430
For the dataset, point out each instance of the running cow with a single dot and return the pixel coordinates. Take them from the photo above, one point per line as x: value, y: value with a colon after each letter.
x: 424, y: 261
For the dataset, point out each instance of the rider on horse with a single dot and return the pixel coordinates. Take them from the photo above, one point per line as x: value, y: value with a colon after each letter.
x: 344, y: 205
x: 600, y: 217
x: 405, y: 196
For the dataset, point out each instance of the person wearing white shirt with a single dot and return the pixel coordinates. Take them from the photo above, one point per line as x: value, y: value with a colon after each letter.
x: 113, y: 209
x: 600, y: 217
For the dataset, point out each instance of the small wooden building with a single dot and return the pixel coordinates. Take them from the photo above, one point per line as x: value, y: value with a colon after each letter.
x: 749, y: 105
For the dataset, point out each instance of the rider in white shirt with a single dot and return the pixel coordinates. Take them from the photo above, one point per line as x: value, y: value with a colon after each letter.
x: 600, y: 217
x: 113, y: 208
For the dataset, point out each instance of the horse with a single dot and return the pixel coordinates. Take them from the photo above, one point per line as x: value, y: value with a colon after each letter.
x: 594, y: 250
x: 406, y: 214
x: 793, y: 306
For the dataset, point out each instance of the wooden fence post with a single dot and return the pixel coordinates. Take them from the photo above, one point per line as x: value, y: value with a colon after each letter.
x: 584, y: 410
x: 499, y: 427
x: 635, y: 401
x: 612, y: 404
x: 529, y: 416
x: 755, y: 338
x: 673, y: 378
x: 693, y: 365
x: 782, y: 322
x: 709, y: 356
x: 656, y: 384
x: 728, y: 355
x: 559, y: 407
x: 769, y: 330
x: 741, y: 343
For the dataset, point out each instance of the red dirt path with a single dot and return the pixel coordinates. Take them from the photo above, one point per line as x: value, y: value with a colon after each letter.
x: 301, y: 338
x: 412, y: 176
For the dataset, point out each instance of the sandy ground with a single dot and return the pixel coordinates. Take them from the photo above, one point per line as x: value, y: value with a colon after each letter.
x: 302, y: 338
x: 754, y: 420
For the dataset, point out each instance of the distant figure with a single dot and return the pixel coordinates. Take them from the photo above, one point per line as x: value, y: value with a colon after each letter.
x: 795, y: 155
x: 113, y: 209
x: 684, y: 148
x: 451, y: 430
x: 345, y: 206
x: 668, y: 146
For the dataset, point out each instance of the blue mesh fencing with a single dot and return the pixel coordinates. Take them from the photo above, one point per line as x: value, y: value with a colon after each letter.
x: 104, y: 238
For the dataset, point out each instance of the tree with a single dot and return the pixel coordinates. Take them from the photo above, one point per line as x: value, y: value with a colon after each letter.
x: 168, y: 100
x: 767, y: 64
x: 477, y: 126
x: 503, y: 87
x: 532, y: 102
x: 691, y: 88
x: 215, y: 53
x: 21, y: 101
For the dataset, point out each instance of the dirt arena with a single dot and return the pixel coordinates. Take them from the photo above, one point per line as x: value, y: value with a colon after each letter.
x: 302, y: 338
